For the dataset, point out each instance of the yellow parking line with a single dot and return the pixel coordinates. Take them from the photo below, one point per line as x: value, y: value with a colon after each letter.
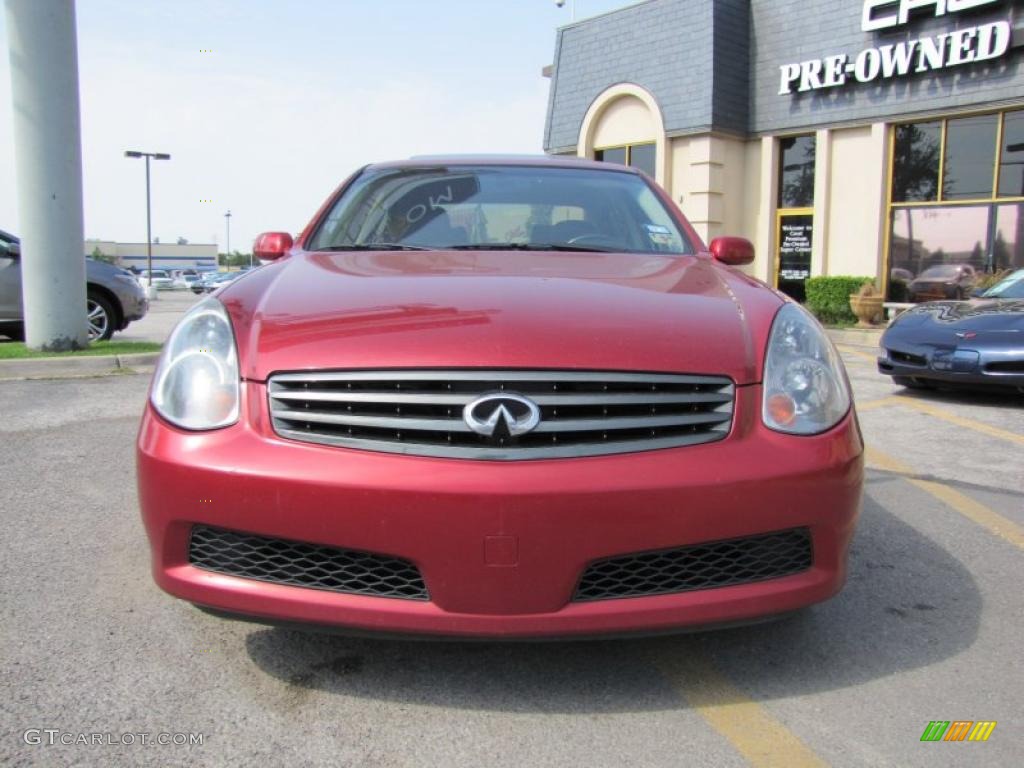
x: 870, y: 405
x: 851, y: 351
x: 760, y: 738
x: 942, y: 413
x: 973, y: 510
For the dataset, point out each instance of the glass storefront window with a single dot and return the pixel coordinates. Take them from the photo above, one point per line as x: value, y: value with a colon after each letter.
x: 916, y: 162
x: 640, y: 156
x: 969, y: 157
x: 796, y: 171
x: 616, y: 155
x: 964, y: 226
x: 1011, y: 159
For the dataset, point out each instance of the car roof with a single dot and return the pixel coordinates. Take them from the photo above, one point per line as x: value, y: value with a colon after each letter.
x: 532, y: 161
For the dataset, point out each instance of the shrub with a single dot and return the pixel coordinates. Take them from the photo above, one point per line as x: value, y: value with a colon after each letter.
x: 829, y: 297
x: 984, y: 282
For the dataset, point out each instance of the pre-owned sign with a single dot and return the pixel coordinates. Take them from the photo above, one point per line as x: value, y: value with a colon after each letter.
x: 966, y: 45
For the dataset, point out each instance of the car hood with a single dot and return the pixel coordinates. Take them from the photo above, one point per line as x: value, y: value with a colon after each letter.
x: 939, y: 322
x: 462, y: 309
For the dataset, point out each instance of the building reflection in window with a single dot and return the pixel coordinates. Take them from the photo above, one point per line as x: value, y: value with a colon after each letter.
x: 1011, y: 156
x: 1008, y: 242
x: 932, y: 236
x: 796, y: 171
x: 967, y: 169
x: 916, y: 162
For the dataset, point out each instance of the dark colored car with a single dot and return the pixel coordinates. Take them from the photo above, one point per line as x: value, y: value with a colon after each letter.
x: 943, y: 281
x: 114, y: 297
x: 487, y: 397
x: 974, y: 342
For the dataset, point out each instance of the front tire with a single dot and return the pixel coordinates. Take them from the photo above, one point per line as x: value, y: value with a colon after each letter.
x: 101, y: 317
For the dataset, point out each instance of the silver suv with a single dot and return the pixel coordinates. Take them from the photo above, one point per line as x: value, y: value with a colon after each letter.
x: 114, y: 297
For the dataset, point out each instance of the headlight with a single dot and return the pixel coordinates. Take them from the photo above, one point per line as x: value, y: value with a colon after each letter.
x: 196, y: 384
x: 805, y: 389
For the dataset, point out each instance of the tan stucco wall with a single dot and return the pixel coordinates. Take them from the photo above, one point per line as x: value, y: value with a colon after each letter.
x: 626, y: 120
x: 856, y: 185
x: 715, y: 180
x: 728, y: 186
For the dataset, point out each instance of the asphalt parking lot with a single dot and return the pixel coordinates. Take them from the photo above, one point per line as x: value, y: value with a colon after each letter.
x: 928, y: 627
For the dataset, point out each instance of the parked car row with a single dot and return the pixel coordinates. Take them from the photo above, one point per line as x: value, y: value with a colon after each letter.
x: 214, y: 280
x: 174, y: 279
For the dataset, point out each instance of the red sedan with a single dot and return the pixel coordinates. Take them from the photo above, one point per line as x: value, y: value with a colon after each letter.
x: 499, y: 398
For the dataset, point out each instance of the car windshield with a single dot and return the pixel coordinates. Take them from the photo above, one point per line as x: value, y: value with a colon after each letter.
x: 1010, y: 287
x: 500, y: 207
x: 944, y: 270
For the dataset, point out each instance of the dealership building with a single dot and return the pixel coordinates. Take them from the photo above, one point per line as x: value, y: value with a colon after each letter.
x: 842, y: 137
x: 165, y: 255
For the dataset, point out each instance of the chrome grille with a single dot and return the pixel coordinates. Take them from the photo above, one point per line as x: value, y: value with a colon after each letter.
x: 419, y: 412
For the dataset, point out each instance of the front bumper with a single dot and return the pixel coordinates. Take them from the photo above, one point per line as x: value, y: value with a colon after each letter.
x: 988, y: 367
x: 134, y: 306
x: 554, y: 518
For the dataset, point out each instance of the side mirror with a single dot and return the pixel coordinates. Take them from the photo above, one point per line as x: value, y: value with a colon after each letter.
x: 14, y: 250
x: 271, y: 246
x: 732, y: 250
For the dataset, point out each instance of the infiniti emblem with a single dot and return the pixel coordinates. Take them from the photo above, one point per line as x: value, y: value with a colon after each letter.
x: 499, y: 412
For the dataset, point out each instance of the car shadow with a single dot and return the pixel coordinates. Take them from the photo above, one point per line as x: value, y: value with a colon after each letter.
x: 908, y: 604
x: 989, y: 398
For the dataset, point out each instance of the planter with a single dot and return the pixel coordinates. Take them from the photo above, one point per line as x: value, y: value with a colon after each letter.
x: 866, y: 308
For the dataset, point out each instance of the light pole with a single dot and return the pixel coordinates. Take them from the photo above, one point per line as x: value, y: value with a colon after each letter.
x: 149, y: 230
x: 227, y: 247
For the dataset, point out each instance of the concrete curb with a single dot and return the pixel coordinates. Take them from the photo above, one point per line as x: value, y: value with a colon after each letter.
x: 73, y: 367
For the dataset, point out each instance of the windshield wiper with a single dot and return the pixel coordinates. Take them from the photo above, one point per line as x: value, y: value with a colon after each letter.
x: 376, y: 247
x: 528, y: 247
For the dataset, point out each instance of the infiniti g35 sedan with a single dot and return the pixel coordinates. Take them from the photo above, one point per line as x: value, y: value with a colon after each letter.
x: 499, y: 397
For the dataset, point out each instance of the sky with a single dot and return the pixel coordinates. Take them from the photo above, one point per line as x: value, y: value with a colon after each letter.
x: 293, y: 96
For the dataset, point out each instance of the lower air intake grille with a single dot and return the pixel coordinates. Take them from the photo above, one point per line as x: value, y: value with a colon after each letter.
x: 304, y: 565
x: 701, y: 566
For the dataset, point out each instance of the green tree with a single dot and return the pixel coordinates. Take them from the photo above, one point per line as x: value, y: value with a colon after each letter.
x: 234, y: 259
x: 1001, y: 257
x: 99, y: 255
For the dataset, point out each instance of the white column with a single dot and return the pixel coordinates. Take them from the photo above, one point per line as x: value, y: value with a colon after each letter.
x: 822, y: 201
x: 764, y: 266
x: 48, y: 159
